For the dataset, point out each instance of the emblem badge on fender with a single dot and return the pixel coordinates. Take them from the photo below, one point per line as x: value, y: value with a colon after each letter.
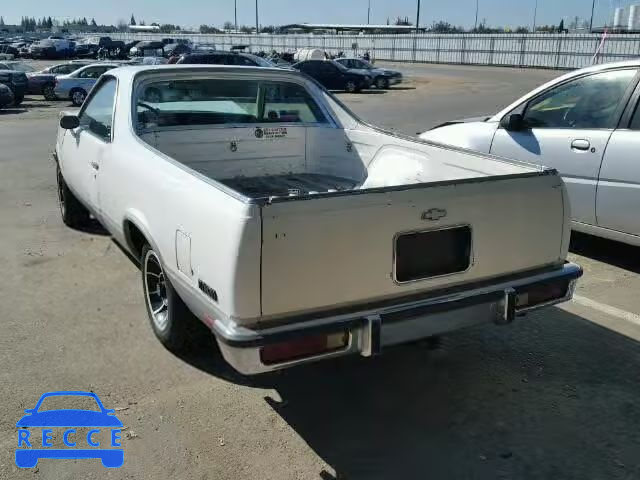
x: 434, y: 214
x: 259, y: 132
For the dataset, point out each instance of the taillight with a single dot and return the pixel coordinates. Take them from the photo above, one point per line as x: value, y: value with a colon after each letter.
x: 304, y: 347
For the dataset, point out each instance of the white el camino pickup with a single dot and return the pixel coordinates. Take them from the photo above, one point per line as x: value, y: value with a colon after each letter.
x: 261, y: 206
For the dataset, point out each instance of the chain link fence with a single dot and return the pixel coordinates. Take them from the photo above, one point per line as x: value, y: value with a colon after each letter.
x: 560, y: 51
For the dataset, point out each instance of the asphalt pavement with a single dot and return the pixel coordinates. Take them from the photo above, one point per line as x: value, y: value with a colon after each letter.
x: 552, y: 396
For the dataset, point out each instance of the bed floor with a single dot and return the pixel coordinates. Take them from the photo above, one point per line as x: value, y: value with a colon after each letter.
x: 288, y: 185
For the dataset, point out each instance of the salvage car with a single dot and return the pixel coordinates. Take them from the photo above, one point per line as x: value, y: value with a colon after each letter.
x: 586, y: 124
x: 259, y: 205
x: 16, y: 81
x: 44, y: 81
x: 77, y: 84
x: 383, y: 78
x: 335, y: 76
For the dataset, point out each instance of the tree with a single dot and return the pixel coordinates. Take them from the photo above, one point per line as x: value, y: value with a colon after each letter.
x: 133, y: 20
x: 49, y: 23
x: 445, y: 27
x: 268, y: 29
x: 561, y: 26
x: 402, y: 21
x: 122, y: 25
x: 93, y: 22
x: 1, y: 21
x: 246, y: 29
x: 521, y: 30
x: 227, y: 26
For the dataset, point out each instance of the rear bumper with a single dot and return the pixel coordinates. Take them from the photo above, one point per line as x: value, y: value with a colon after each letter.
x: 371, y: 329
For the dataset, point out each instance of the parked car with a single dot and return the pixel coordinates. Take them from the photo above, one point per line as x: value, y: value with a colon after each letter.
x: 52, y: 48
x: 223, y: 58
x: 339, y: 237
x: 75, y: 86
x: 16, y: 81
x: 176, y: 49
x: 382, y: 77
x: 44, y: 81
x: 6, y: 96
x: 586, y: 124
x: 335, y: 76
x: 16, y: 66
x: 149, y: 48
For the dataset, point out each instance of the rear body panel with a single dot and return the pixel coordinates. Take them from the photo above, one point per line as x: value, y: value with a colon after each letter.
x: 336, y: 251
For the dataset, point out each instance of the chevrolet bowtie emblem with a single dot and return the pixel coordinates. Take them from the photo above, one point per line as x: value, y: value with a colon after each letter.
x: 434, y: 214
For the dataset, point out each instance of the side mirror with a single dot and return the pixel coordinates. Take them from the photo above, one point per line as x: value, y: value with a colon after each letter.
x: 513, y: 122
x: 69, y: 122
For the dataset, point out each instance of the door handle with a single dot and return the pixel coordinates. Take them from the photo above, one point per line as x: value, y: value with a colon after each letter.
x: 95, y: 165
x: 582, y: 145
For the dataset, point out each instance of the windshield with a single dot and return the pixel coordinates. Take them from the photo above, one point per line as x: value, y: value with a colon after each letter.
x: 261, y: 61
x: 21, y: 67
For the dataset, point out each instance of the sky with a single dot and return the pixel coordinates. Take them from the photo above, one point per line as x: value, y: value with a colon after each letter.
x: 278, y: 12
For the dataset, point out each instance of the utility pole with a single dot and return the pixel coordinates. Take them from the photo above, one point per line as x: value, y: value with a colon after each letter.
x: 475, y: 26
x: 535, y: 14
x: 369, y: 13
x: 593, y: 7
x: 235, y: 13
x: 257, y: 27
x: 418, y: 18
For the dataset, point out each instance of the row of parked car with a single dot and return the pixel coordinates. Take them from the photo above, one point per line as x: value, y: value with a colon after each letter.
x: 74, y: 79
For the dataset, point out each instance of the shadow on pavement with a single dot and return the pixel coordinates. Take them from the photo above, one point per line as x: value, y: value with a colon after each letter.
x: 615, y: 253
x: 552, y: 396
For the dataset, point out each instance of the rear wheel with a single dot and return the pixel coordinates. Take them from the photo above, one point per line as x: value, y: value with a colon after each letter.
x: 382, y: 83
x: 48, y: 93
x: 77, y: 96
x: 351, y: 86
x: 170, y: 318
x: 73, y: 213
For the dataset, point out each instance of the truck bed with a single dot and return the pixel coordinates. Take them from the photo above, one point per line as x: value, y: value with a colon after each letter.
x: 288, y: 185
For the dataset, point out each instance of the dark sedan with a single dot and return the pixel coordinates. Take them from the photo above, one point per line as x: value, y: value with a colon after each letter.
x: 335, y: 76
x: 382, y: 77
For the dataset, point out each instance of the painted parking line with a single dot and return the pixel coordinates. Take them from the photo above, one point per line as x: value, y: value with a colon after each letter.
x: 607, y: 309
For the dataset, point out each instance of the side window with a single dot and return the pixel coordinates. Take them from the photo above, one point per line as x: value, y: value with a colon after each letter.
x: 57, y: 70
x: 97, y: 115
x: 635, y: 121
x: 244, y: 61
x: 93, y: 72
x: 587, y: 102
x: 290, y: 103
x: 327, y: 69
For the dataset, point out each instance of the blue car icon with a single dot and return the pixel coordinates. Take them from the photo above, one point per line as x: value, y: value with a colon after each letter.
x: 69, y: 418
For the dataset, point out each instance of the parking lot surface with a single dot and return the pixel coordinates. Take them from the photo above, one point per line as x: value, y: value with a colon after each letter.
x: 554, y: 395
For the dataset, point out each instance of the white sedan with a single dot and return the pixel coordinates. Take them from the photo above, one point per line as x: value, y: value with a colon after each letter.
x: 585, y: 124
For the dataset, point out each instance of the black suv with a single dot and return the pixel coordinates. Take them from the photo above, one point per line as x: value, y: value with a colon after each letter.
x: 17, y: 83
x: 223, y: 58
x: 334, y: 76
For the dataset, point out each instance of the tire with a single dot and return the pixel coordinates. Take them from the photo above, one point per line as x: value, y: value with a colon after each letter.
x: 351, y: 86
x: 171, y: 320
x: 382, y: 83
x: 74, y: 214
x: 78, y: 96
x: 48, y: 92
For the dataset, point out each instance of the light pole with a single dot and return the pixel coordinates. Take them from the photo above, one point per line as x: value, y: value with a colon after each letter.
x: 593, y: 7
x: 418, y: 18
x: 257, y: 27
x: 475, y: 26
x: 535, y: 14
x: 235, y: 13
x: 369, y: 13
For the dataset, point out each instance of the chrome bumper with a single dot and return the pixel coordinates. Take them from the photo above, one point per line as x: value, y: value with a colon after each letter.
x: 370, y: 330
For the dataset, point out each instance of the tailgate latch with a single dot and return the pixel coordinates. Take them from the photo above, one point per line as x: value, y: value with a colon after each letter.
x: 370, y: 345
x: 507, y: 307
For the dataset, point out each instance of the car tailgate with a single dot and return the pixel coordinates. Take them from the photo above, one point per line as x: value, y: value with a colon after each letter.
x: 330, y: 251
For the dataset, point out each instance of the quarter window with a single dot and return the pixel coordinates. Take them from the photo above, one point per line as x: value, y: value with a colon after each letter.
x: 97, y: 116
x: 587, y: 102
x: 635, y: 121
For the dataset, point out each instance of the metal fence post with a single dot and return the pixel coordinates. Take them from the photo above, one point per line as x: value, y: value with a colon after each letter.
x: 492, y: 50
x: 522, y: 50
x: 558, y: 51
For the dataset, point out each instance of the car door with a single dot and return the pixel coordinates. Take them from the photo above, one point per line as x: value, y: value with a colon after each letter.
x: 618, y: 197
x: 87, y: 78
x: 331, y: 76
x: 85, y: 147
x: 568, y: 127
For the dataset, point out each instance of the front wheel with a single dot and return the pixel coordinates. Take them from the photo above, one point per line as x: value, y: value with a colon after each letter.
x: 78, y: 96
x: 170, y: 318
x: 74, y: 214
x: 17, y: 100
x: 48, y: 92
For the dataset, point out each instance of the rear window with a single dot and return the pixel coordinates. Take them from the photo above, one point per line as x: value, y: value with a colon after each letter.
x: 220, y: 102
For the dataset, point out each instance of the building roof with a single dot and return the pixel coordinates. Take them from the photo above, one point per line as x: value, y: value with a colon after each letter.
x: 351, y: 27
